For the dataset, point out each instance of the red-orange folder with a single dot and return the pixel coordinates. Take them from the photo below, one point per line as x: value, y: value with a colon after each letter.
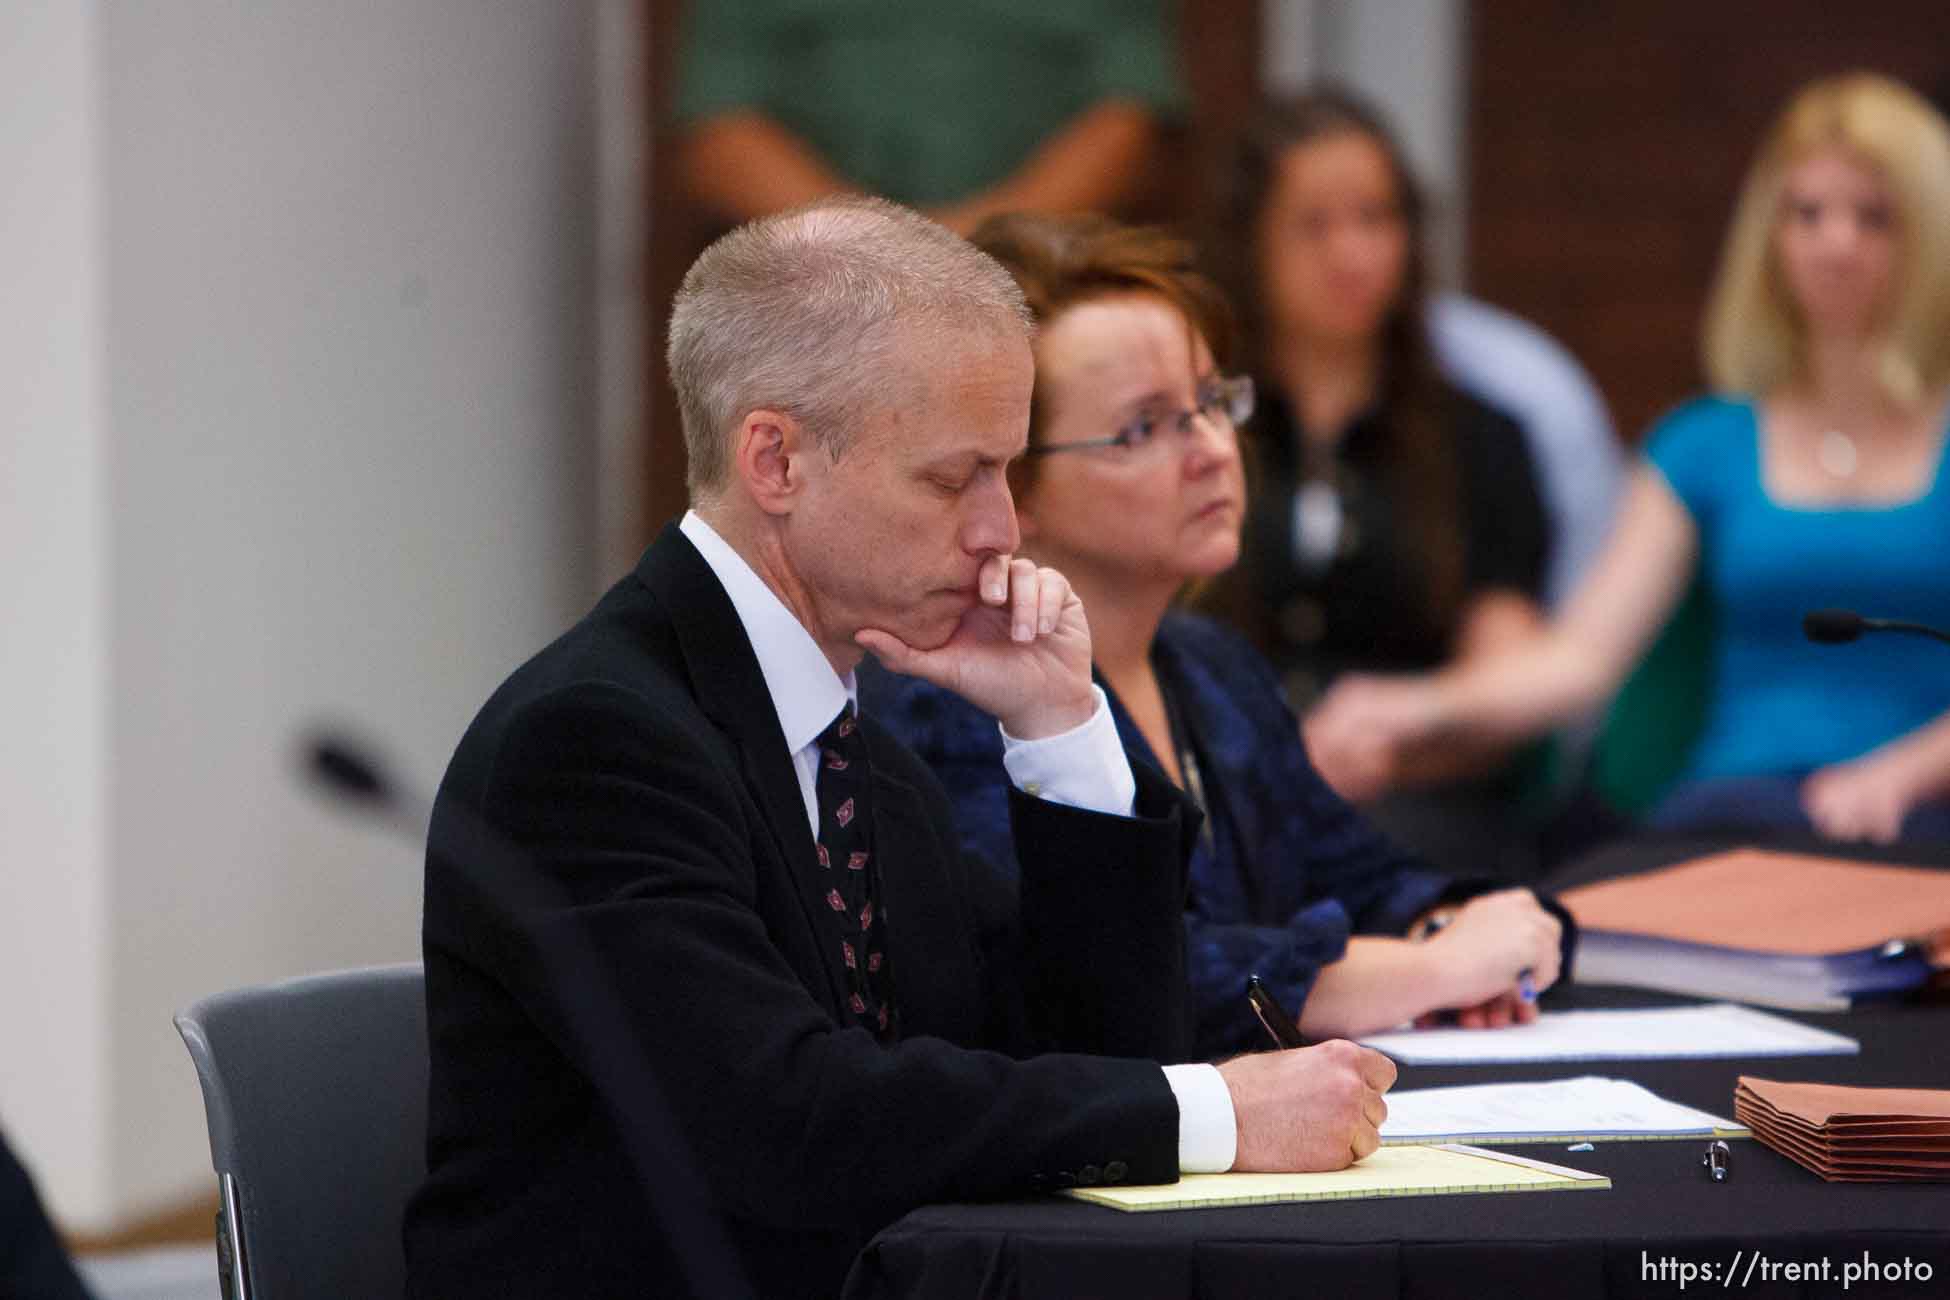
x: 1780, y: 929
x: 1851, y: 1135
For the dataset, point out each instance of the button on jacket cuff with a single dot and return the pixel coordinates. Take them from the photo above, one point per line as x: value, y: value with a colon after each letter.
x: 1208, y: 1134
x: 1083, y: 767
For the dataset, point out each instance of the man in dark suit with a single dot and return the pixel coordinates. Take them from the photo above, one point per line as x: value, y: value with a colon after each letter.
x: 848, y: 1017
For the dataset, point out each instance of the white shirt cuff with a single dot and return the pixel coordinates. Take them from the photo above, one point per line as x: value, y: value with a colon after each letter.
x: 1083, y: 767
x: 1208, y: 1134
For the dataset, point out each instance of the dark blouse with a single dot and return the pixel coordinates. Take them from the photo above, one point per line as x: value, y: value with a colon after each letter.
x: 1288, y: 870
x: 1352, y: 593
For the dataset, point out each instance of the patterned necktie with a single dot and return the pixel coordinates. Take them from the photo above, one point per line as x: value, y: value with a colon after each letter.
x: 849, y: 876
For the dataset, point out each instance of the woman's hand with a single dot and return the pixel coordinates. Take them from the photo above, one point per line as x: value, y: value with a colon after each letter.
x: 1363, y: 726
x: 1864, y: 799
x: 1502, y: 1010
x: 1480, y: 955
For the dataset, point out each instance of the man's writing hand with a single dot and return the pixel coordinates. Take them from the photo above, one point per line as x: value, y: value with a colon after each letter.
x: 1308, y: 1109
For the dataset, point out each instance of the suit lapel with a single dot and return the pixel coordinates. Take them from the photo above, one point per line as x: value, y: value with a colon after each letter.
x: 732, y: 693
x: 927, y: 934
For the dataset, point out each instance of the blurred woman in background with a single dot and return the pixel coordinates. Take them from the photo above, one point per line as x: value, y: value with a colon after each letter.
x: 1133, y: 487
x: 1812, y: 478
x: 1396, y: 524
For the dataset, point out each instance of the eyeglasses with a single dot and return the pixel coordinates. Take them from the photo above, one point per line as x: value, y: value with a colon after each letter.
x: 1226, y: 403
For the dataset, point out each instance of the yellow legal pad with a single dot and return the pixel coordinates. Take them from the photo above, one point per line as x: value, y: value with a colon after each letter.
x: 1392, y: 1171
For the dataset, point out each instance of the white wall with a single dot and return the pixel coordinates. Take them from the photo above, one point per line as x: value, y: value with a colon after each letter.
x: 622, y: 248
x: 53, y: 650
x: 346, y: 255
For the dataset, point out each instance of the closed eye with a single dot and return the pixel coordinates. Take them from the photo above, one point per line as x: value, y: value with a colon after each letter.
x: 954, y: 477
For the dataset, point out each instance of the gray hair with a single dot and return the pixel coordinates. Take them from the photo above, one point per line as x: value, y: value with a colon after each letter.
x: 815, y: 312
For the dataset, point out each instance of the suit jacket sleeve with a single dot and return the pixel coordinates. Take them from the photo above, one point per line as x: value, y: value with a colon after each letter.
x: 1102, y: 902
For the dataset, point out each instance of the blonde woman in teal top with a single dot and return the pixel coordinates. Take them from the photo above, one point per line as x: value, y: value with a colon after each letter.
x: 1817, y: 480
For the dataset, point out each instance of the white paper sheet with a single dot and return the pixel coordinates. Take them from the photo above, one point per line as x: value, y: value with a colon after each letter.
x: 1718, y: 1029
x: 1571, y: 1110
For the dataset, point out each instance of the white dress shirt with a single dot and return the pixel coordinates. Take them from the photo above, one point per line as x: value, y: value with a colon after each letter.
x: 1084, y: 767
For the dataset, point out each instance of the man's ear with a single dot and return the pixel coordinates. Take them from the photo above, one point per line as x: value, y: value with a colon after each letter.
x: 769, y: 455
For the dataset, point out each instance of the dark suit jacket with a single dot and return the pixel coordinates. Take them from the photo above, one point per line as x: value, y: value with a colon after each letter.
x: 639, y: 763
x: 1289, y: 869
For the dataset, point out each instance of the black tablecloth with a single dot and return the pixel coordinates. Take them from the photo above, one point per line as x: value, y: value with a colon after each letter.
x: 1661, y: 1223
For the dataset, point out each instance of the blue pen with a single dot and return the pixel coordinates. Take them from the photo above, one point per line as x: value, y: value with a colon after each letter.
x: 1526, y: 985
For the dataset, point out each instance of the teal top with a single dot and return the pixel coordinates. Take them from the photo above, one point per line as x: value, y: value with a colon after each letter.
x: 1779, y: 704
x: 926, y: 101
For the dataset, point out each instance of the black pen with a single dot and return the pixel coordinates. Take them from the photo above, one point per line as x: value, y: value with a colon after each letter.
x: 1283, y: 1027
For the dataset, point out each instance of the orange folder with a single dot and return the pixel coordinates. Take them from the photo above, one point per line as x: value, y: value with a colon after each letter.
x: 1771, y: 902
x: 1851, y: 1135
x: 1781, y: 929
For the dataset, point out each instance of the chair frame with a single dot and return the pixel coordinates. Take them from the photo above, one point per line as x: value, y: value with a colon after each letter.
x: 234, y: 1239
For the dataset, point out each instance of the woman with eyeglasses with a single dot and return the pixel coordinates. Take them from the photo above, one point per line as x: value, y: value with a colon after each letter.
x: 1396, y: 523
x: 1133, y: 487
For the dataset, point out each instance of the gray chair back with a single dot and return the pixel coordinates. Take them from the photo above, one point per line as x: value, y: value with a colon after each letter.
x: 316, y: 1094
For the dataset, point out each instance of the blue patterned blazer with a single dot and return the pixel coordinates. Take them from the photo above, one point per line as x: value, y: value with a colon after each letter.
x: 1288, y: 869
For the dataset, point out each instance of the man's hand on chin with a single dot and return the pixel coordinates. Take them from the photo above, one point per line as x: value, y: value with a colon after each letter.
x: 1021, y: 653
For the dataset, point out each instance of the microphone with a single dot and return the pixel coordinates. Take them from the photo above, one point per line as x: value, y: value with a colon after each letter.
x: 338, y: 765
x: 508, y: 889
x: 343, y: 768
x: 1832, y: 626
x: 1840, y: 626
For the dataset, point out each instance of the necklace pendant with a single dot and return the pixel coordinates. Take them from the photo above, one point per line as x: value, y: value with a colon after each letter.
x: 1836, y: 454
